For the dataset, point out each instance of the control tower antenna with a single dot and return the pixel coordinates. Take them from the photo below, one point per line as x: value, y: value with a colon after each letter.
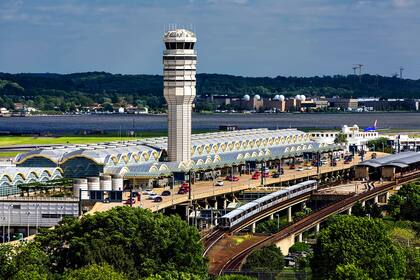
x: 401, y: 72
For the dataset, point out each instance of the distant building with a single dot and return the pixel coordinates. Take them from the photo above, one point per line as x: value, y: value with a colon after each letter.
x: 219, y: 100
x: 389, y: 104
x: 354, y: 136
x: 344, y: 103
x: 247, y: 103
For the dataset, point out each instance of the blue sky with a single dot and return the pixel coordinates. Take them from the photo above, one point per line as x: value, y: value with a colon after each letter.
x: 239, y: 37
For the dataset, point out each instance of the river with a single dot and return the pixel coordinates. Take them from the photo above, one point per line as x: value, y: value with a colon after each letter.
x: 123, y: 123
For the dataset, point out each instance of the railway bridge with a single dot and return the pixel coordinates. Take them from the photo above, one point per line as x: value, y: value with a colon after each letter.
x: 286, y: 237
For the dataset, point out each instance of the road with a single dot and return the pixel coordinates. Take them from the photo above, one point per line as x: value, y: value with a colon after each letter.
x: 204, y: 189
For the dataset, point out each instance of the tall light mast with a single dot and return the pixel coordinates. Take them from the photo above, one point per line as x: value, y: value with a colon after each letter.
x: 179, y: 69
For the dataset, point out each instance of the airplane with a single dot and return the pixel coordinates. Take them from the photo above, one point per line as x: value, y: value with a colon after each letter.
x: 371, y: 128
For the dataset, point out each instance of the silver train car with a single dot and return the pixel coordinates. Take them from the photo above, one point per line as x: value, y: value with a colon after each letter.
x: 240, y: 214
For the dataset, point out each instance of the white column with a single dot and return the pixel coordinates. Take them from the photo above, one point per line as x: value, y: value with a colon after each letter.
x: 317, y: 227
x: 215, y: 204
x: 253, y: 226
x: 289, y: 214
x: 375, y: 199
x: 349, y: 211
x: 271, y: 216
x: 363, y: 203
x: 300, y: 237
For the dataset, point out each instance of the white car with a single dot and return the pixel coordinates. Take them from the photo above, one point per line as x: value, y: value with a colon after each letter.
x: 308, y: 168
x: 219, y: 183
x: 152, y: 196
x: 300, y: 169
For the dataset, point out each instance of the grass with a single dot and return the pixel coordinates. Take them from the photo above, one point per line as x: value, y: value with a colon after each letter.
x: 8, y: 154
x: 27, y: 140
x: 239, y: 239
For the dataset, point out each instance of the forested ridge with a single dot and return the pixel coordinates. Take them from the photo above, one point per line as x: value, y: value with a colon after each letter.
x: 99, y: 87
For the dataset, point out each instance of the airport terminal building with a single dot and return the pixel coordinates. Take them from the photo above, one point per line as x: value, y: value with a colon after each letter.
x: 144, y: 162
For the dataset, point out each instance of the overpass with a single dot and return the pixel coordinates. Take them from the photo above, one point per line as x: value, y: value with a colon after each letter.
x: 203, y: 190
x: 286, y: 237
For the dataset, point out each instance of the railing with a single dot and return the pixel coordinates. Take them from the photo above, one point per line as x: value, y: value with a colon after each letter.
x: 38, y: 198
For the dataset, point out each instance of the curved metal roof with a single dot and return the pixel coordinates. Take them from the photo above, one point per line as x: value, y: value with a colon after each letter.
x: 401, y: 160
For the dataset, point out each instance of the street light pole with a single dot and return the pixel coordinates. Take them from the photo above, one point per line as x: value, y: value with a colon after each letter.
x: 27, y: 218
x: 8, y: 224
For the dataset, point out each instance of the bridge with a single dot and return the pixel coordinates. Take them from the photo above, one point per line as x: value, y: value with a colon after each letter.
x: 205, y: 190
x: 285, y: 238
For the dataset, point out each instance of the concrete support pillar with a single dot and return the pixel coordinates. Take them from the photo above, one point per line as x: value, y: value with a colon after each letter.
x: 317, y: 227
x: 289, y: 214
x: 215, y: 204
x: 300, y: 237
x: 376, y: 199
x: 224, y: 203
x: 272, y: 217
x: 363, y: 203
x: 187, y: 213
x: 253, y: 227
x: 386, y: 197
x: 349, y: 211
x: 206, y: 204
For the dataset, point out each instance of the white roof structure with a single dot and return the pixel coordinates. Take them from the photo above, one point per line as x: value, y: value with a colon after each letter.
x: 208, y: 150
x: 401, y: 160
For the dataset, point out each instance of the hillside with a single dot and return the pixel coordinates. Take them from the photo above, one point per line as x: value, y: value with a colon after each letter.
x: 64, y: 91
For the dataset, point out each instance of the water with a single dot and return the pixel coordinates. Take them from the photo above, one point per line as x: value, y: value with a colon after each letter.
x: 123, y: 123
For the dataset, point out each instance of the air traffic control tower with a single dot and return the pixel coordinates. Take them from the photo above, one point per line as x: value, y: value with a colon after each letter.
x: 179, y: 67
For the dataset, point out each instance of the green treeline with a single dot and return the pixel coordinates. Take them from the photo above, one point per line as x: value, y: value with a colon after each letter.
x: 57, y: 92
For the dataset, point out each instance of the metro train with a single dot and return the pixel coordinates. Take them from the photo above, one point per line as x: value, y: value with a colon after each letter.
x: 238, y: 215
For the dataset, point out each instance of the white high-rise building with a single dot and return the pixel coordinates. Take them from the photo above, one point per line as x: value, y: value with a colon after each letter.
x: 179, y: 67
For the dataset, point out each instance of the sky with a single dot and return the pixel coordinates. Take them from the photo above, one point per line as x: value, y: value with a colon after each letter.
x: 238, y: 37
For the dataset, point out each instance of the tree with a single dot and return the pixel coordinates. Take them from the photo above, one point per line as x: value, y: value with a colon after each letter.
x: 271, y: 226
x: 362, y: 242
x: 340, y: 138
x: 94, y: 272
x: 351, y: 272
x: 132, y: 240
x: 358, y: 210
x: 235, y: 277
x: 175, y: 275
x: 266, y: 259
x: 405, y: 204
x: 23, y: 261
x: 299, y: 247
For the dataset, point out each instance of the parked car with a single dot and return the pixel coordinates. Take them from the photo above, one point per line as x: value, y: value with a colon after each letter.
x: 232, y: 178
x: 300, y: 169
x: 255, y: 176
x: 308, y: 167
x: 275, y: 175
x: 165, y: 193
x: 373, y: 156
x: 152, y: 196
x: 292, y: 166
x: 185, y: 185
x: 183, y: 191
x: 266, y: 175
x: 219, y: 183
x: 158, y: 199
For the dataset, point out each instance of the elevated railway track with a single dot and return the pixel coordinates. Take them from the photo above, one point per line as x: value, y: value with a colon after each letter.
x: 235, y: 262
